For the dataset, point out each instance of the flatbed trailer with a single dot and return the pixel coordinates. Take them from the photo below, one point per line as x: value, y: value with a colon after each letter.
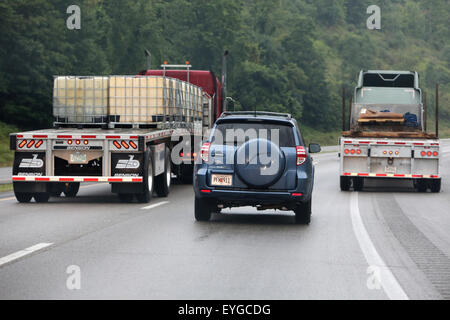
x: 137, y: 161
x: 377, y: 144
x: 52, y: 161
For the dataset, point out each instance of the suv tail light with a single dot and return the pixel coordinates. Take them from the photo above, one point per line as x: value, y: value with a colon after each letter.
x: 204, y: 151
x: 301, y: 155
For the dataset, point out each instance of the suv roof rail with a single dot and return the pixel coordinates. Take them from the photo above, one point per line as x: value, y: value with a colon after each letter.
x: 256, y: 113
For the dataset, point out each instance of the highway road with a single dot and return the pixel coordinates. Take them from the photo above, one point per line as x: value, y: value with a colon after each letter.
x: 386, y: 242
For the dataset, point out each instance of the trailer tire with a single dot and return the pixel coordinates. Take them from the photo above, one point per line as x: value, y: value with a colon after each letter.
x: 163, y: 181
x: 147, y: 185
x: 345, y: 183
x: 187, y: 173
x: 23, y: 197
x: 303, y: 212
x: 435, y: 185
x: 420, y: 185
x: 358, y: 184
x: 41, y: 197
x: 125, y: 197
x: 72, y: 189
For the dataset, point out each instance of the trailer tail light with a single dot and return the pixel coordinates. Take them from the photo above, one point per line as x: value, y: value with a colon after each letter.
x: 358, y: 151
x: 30, y: 144
x: 346, y: 151
x: 352, y: 151
x: 423, y: 153
x: 301, y: 155
x: 85, y: 142
x: 69, y: 141
x: 429, y: 153
x: 117, y: 145
x: 77, y: 141
x: 204, y: 151
x: 39, y: 143
x: 133, y: 145
x: 23, y: 143
x: 125, y: 145
x: 435, y: 153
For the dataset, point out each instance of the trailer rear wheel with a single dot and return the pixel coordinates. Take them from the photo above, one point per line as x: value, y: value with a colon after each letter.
x: 345, y: 183
x: 435, y: 185
x: 148, y: 183
x: 23, y: 197
x: 71, y: 189
x: 125, y: 197
x: 420, y: 185
x: 41, y: 197
x: 358, y: 184
x: 163, y: 181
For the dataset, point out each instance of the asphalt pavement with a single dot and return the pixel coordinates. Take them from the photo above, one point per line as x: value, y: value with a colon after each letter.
x: 386, y: 242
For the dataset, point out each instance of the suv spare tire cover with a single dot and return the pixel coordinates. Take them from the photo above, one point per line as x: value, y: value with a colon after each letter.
x: 259, y: 162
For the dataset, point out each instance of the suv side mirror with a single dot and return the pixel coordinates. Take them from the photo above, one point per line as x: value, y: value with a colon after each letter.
x: 314, y: 148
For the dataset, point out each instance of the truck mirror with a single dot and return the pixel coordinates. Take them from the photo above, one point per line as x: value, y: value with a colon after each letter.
x: 314, y: 148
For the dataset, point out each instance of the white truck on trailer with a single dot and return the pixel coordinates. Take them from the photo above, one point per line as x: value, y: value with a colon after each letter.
x: 118, y: 129
x: 386, y: 136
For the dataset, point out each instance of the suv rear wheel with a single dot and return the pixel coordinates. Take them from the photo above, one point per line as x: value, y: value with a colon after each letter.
x: 203, y: 209
x: 303, y: 212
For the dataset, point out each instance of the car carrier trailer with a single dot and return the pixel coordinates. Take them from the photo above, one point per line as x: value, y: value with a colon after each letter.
x: 386, y: 135
x: 135, y: 159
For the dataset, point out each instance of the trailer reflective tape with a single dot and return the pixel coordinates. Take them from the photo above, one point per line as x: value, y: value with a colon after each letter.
x: 42, y: 179
x: 382, y: 142
x: 76, y: 179
x: 88, y: 137
x: 418, y: 143
x: 363, y: 174
x: 364, y: 142
x: 64, y: 137
x: 38, y: 136
x: 399, y: 142
x: 112, y: 137
x: 417, y: 176
x: 381, y: 175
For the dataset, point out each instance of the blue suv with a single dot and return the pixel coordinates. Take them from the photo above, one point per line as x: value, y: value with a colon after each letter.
x: 255, y: 159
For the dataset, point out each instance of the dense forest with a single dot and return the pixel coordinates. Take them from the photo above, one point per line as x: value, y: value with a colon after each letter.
x: 285, y: 55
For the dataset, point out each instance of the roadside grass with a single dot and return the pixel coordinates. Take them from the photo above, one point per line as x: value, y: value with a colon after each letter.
x: 6, y: 155
x: 311, y: 135
x: 6, y: 187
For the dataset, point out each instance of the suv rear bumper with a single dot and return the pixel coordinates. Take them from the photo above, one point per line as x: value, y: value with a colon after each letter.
x: 252, y: 197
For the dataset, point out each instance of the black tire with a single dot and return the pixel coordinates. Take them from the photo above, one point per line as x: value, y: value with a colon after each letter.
x: 358, y: 184
x: 203, y: 209
x: 345, y: 183
x: 71, y: 189
x: 435, y: 185
x: 126, y: 197
x: 163, y: 181
x: 187, y: 172
x: 420, y: 185
x: 147, y: 185
x: 23, y: 197
x: 41, y: 197
x: 303, y: 212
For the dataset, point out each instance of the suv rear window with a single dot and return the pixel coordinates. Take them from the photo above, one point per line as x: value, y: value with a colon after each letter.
x: 238, y: 132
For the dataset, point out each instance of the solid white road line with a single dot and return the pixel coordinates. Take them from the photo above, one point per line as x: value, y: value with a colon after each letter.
x: 155, y: 205
x: 387, y: 280
x: 21, y: 253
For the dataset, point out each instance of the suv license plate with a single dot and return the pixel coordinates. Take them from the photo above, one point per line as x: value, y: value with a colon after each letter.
x: 390, y: 169
x: 222, y: 180
x: 78, y: 158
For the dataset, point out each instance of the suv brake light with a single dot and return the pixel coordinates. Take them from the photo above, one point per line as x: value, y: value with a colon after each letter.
x: 301, y: 155
x: 204, y: 151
